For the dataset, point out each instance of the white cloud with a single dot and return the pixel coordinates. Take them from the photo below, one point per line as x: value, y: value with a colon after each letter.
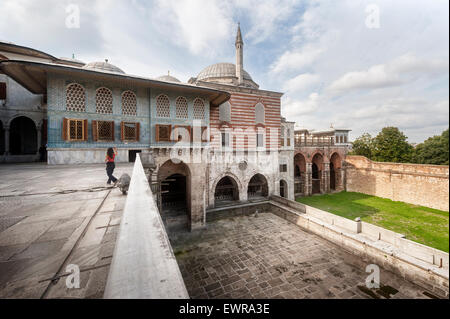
x: 294, y: 108
x: 297, y: 59
x: 301, y: 82
x: 390, y: 74
x: 200, y: 25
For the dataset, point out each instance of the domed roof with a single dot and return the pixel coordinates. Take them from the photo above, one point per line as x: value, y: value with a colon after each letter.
x: 168, y: 78
x: 103, y: 66
x: 220, y: 70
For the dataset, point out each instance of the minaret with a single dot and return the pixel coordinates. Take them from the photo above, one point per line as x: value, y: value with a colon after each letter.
x: 239, y: 56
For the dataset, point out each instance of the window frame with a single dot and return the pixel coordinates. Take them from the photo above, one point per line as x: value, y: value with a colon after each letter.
x: 122, y: 131
x: 157, y: 135
x: 66, y: 130
x: 95, y: 131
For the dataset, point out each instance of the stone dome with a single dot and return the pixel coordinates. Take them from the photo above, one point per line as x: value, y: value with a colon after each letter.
x: 221, y: 70
x: 168, y: 78
x: 103, y: 66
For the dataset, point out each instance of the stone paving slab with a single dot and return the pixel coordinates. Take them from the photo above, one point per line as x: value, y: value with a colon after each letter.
x: 268, y: 257
x: 41, y: 234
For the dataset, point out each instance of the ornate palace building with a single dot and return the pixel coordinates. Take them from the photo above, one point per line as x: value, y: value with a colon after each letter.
x: 216, y: 141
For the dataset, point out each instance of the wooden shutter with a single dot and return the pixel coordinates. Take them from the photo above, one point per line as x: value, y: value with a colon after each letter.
x: 2, y: 91
x: 137, y: 131
x: 122, y: 128
x: 157, y: 133
x: 94, y: 131
x: 85, y: 130
x: 64, y: 129
x: 113, y: 137
x: 204, y: 138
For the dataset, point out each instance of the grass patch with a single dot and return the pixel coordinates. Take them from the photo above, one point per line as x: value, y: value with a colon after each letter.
x: 421, y: 224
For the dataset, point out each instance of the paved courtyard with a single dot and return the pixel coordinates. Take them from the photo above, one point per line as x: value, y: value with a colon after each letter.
x: 53, y: 216
x: 268, y: 257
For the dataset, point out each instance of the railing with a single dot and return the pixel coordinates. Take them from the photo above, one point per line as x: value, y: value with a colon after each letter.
x: 300, y: 141
x: 143, y: 264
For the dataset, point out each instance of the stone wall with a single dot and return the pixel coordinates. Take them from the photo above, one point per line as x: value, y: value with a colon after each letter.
x: 426, y: 185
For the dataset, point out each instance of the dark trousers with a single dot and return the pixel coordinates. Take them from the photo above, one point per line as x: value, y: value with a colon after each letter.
x: 109, y: 171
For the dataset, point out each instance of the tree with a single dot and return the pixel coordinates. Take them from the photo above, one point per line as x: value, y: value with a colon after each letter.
x: 363, y: 145
x: 433, y: 151
x: 391, y: 145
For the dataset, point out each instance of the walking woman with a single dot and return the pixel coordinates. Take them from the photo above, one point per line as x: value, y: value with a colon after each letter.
x: 109, y: 160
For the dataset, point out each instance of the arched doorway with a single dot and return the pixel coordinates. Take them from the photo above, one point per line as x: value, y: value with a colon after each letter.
x: 22, y: 136
x: 2, y: 139
x: 299, y: 174
x: 174, y: 198
x: 317, y: 167
x: 332, y: 177
x: 335, y: 171
x: 257, y: 187
x: 226, y: 191
x: 283, y: 188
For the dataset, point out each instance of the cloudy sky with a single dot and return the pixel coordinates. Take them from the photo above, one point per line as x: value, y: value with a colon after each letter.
x: 355, y: 64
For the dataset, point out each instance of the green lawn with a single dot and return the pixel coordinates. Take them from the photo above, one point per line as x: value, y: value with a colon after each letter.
x: 424, y: 225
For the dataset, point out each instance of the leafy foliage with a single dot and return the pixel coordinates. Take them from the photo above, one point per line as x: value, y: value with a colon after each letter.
x: 433, y: 151
x: 391, y: 145
x: 363, y: 145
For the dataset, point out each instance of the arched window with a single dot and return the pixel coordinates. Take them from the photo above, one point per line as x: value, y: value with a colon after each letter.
x: 282, y: 132
x: 129, y: 104
x: 199, y: 109
x: 104, y: 101
x: 162, y: 106
x: 225, y: 112
x: 259, y: 114
x: 75, y: 98
x: 181, y: 108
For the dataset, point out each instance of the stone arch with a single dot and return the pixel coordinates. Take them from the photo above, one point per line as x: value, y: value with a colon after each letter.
x: 300, y: 173
x: 216, y: 181
x: 283, y: 188
x: 226, y: 191
x: 257, y: 187
x: 22, y: 136
x: 317, y: 170
x: 174, y: 201
x: 336, y: 171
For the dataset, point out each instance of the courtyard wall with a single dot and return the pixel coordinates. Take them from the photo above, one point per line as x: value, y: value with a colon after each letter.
x: 426, y: 185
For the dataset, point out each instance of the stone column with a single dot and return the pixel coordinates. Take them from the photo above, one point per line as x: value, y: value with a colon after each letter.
x: 325, y: 187
x: 308, y: 179
x: 39, y: 139
x: 6, y: 128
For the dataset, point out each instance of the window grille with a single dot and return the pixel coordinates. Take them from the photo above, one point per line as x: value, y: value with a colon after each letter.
x: 103, y: 130
x: 75, y: 98
x: 129, y: 131
x: 104, y: 101
x: 162, y: 106
x: 129, y: 103
x: 74, y: 130
x: 163, y: 133
x: 199, y: 109
x: 181, y: 108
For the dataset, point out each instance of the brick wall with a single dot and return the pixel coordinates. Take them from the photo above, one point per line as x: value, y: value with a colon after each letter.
x: 426, y: 185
